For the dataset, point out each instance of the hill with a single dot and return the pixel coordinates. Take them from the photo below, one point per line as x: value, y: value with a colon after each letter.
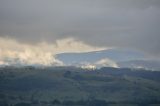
x: 71, y: 86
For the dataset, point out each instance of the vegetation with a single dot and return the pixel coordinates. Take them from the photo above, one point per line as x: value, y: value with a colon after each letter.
x: 70, y: 86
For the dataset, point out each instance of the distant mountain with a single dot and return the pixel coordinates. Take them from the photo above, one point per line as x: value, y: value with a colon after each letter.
x: 146, y: 64
x: 112, y: 58
x: 91, y: 57
x: 113, y: 54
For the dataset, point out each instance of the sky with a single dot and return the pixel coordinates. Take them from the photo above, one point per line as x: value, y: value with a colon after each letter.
x: 33, y: 31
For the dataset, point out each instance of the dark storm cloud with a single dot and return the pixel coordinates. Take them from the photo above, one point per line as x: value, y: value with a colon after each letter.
x: 116, y: 23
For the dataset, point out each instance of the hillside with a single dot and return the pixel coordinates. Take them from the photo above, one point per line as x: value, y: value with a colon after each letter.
x: 71, y: 86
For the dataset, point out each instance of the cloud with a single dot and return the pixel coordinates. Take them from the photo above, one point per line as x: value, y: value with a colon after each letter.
x: 100, y: 63
x: 13, y: 52
x: 88, y: 66
x: 106, y: 63
x: 130, y: 24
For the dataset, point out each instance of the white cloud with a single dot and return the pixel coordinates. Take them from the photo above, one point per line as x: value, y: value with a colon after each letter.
x: 106, y: 63
x: 88, y: 66
x: 13, y: 52
x: 101, y: 63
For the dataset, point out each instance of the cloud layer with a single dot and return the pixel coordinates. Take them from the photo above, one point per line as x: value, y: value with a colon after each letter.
x: 130, y: 24
x: 13, y: 52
